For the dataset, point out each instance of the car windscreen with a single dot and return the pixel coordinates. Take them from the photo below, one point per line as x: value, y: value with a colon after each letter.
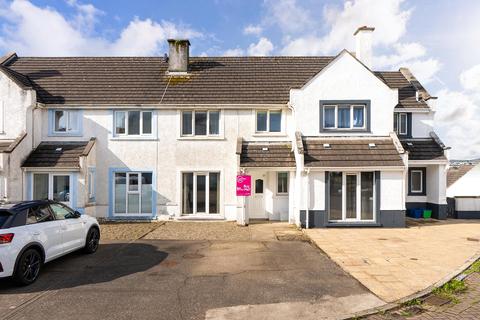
x: 4, y: 215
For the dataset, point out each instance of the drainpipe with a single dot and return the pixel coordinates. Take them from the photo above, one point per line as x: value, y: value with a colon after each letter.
x: 307, y: 210
x: 291, y: 107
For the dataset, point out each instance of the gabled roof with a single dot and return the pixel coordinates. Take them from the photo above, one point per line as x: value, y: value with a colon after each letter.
x: 143, y: 80
x: 456, y: 172
x: 58, y: 154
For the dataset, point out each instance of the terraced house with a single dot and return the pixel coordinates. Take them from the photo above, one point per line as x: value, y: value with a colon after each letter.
x: 327, y: 140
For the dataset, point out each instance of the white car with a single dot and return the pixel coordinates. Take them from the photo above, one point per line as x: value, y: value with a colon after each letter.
x: 35, y: 232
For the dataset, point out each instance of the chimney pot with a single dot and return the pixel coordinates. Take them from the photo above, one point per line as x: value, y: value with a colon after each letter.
x: 363, y: 52
x: 178, y: 55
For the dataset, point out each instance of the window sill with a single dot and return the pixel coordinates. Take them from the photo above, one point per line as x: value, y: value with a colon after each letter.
x: 53, y: 134
x: 345, y: 131
x: 269, y: 134
x: 417, y: 194
x: 212, y: 216
x: 137, y: 138
x: 187, y: 138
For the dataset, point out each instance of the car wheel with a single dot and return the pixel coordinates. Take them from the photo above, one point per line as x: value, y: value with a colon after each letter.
x: 28, y: 267
x: 93, y: 239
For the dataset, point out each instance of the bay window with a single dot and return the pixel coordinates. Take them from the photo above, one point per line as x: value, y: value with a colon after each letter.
x: 268, y: 121
x: 200, y: 123
x: 133, y: 123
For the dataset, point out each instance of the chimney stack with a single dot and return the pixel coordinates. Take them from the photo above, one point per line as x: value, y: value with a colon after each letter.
x: 178, y: 56
x: 363, y: 38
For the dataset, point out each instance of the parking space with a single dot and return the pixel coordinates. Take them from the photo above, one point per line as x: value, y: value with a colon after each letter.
x: 147, y: 279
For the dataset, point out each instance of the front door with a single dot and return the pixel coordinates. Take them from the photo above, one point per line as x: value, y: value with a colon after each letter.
x: 256, y: 202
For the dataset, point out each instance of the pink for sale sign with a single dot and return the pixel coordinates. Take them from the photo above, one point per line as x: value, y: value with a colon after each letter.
x: 244, y: 185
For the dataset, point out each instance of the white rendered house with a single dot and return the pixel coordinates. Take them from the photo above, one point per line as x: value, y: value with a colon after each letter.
x: 327, y: 140
x: 463, y: 190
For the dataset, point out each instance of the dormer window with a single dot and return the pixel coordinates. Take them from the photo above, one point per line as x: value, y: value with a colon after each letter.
x: 344, y: 116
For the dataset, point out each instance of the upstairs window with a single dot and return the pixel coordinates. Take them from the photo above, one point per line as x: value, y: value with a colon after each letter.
x: 65, y: 122
x: 133, y: 123
x: 268, y: 121
x: 200, y: 123
x: 400, y: 123
x: 344, y: 116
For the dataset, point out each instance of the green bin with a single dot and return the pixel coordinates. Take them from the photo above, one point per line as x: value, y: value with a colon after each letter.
x: 427, y: 214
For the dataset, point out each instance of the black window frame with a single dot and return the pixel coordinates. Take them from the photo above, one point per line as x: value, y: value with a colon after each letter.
x: 345, y: 103
x: 424, y: 181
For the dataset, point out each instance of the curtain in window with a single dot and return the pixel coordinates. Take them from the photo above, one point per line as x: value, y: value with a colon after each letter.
x: 358, y: 117
x: 329, y: 121
x: 344, y: 117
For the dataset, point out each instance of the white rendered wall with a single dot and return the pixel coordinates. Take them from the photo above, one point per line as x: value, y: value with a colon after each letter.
x: 170, y: 155
x: 466, y: 186
x: 422, y: 124
x: 317, y: 190
x: 344, y: 79
x: 392, y: 196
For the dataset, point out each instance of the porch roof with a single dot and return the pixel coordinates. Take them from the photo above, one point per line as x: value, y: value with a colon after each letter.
x: 267, y: 154
x: 351, y: 152
x: 423, y: 149
x: 58, y: 154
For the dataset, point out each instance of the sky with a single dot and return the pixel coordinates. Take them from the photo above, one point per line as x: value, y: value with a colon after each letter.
x: 438, y: 40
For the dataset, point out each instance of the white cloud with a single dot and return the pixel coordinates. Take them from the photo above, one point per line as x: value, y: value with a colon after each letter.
x: 387, y: 17
x: 234, y: 52
x: 262, y: 48
x: 456, y: 119
x: 251, y: 29
x: 470, y: 79
x: 288, y: 15
x: 43, y: 31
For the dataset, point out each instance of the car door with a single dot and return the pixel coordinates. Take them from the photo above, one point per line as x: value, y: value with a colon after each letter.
x: 43, y: 228
x: 73, y: 233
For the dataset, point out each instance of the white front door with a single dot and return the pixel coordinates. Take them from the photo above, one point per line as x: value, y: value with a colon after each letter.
x: 256, y: 202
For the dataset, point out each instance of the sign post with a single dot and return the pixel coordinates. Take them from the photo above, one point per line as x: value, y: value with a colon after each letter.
x: 244, y: 189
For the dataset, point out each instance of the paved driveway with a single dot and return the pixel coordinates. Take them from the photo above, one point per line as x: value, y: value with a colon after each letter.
x: 395, y: 263
x: 156, y: 279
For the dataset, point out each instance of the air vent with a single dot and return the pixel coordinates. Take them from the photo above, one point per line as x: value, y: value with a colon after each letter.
x: 327, y: 146
x: 372, y: 145
x: 264, y: 149
x: 58, y: 149
x: 409, y: 144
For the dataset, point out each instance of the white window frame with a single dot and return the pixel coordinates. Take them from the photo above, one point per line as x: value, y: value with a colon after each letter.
x: 67, y: 114
x: 207, y: 193
x: 138, y: 192
x: 398, y: 117
x: 412, y: 190
x: 126, y: 134
x: 358, y: 192
x: 50, y: 185
x: 91, y: 184
x: 352, y: 107
x: 207, y: 124
x: 288, y: 178
x: 268, y: 111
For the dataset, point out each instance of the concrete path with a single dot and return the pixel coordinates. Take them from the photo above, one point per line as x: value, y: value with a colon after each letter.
x: 394, y: 263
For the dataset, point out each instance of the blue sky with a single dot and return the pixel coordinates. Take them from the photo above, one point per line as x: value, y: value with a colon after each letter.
x: 436, y: 39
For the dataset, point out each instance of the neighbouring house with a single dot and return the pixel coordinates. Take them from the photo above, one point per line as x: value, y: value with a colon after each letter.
x: 327, y: 140
x: 463, y: 190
